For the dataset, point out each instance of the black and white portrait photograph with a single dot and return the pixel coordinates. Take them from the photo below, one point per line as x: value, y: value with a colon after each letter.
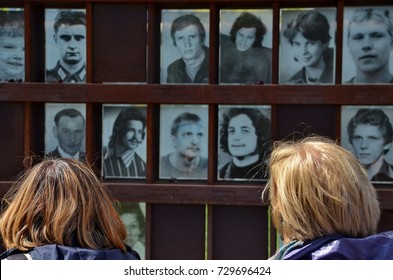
x: 183, y: 141
x: 243, y: 141
x: 123, y: 141
x: 368, y: 133
x: 65, y: 45
x: 367, y: 45
x: 307, y: 46
x: 185, y: 46
x: 12, y: 45
x: 133, y: 216
x: 246, y: 46
x: 65, y: 129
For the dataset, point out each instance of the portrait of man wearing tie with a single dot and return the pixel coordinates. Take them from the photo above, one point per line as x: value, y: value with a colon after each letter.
x: 67, y: 128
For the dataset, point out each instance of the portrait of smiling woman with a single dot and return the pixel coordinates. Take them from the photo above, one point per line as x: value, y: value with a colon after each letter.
x: 307, y: 40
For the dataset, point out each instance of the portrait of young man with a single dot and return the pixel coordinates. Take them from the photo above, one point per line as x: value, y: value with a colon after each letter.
x: 367, y: 45
x: 184, y: 49
x: 123, y: 139
x: 368, y: 133
x: 244, y: 135
x: 245, y: 46
x: 65, y: 45
x: 183, y: 142
x: 12, y: 45
x: 307, y: 46
x: 65, y: 129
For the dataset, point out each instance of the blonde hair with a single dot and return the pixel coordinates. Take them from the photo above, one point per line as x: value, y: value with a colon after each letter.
x: 317, y: 188
x: 60, y: 201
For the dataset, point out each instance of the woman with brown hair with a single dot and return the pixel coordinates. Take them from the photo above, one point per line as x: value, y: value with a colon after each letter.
x: 59, y: 210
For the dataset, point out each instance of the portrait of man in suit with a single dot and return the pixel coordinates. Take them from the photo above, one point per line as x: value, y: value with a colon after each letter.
x: 68, y: 129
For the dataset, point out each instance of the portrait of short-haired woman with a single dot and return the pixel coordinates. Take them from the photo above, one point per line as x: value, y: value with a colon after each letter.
x: 307, y: 40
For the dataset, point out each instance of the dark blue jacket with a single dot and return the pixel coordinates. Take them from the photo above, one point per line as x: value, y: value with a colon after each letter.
x: 59, y: 252
x: 340, y: 247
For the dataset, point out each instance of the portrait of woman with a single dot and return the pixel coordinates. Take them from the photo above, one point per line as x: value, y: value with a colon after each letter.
x: 307, y: 40
x: 133, y: 217
x: 245, y: 46
x: 244, y: 142
x: 184, y: 49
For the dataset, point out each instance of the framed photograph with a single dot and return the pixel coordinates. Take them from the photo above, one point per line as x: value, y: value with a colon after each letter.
x: 65, y: 45
x: 246, y: 46
x: 185, y: 46
x: 244, y: 141
x: 65, y: 130
x: 133, y: 216
x: 183, y: 141
x: 307, y: 46
x: 367, y: 45
x: 123, y: 141
x: 12, y: 45
x: 367, y: 132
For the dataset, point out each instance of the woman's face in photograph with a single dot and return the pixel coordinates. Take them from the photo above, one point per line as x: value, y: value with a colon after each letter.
x: 133, y: 229
x: 245, y: 38
x: 370, y: 45
x: 242, y: 137
x: 188, y: 42
x: 368, y: 143
x: 307, y: 52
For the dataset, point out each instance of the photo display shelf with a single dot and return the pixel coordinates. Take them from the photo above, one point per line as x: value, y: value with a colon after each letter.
x: 126, y: 66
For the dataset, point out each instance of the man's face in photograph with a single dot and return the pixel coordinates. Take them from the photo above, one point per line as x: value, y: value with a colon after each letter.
x: 245, y: 38
x: 133, y: 135
x: 188, y: 140
x: 368, y: 143
x: 70, y: 132
x: 71, y: 42
x: 188, y: 42
x: 242, y: 138
x: 370, y: 45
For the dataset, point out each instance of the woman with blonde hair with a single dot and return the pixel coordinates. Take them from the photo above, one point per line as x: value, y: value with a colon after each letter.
x: 323, y: 204
x: 59, y: 210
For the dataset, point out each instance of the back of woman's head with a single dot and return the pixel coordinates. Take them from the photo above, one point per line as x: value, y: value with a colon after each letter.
x: 60, y: 201
x: 317, y: 188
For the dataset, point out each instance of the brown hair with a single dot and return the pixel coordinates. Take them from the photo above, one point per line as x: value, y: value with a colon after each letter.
x: 60, y: 201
